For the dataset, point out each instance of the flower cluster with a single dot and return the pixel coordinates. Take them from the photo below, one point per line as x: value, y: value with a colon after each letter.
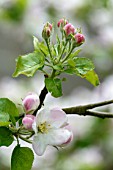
x: 67, y: 28
x: 50, y: 125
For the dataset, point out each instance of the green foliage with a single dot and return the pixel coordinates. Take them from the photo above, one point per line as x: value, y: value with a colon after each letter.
x: 59, y: 58
x: 4, y: 119
x: 7, y: 107
x: 40, y: 46
x: 6, y: 137
x: 22, y: 158
x: 54, y: 86
x: 92, y: 77
x: 74, y: 54
x: 29, y: 64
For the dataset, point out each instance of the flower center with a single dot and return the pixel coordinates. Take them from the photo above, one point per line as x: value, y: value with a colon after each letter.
x: 43, y: 127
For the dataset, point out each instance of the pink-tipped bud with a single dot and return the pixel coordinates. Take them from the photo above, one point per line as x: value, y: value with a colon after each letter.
x: 47, y: 30
x: 30, y: 103
x: 27, y: 121
x: 69, y: 29
x: 62, y: 22
x: 79, y: 38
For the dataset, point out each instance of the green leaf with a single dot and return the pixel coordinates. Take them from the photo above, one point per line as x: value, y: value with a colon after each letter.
x: 71, y: 62
x: 29, y: 64
x: 4, y: 118
x: 54, y: 86
x: 92, y: 77
x: 40, y: 46
x: 73, y: 55
x: 22, y: 158
x: 35, y: 43
x: 83, y: 65
x: 8, y: 107
x: 6, y: 137
x: 70, y: 71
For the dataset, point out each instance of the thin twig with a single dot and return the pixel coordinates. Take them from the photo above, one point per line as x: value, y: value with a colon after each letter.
x: 84, y: 110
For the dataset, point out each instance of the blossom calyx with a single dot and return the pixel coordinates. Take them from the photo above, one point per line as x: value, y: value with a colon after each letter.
x: 69, y: 29
x: 79, y: 39
x: 47, y: 30
x: 27, y: 121
x: 31, y: 103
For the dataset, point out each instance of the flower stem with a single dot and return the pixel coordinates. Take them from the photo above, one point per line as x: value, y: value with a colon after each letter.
x: 66, y: 57
x: 25, y: 139
x: 46, y: 40
x: 62, y: 51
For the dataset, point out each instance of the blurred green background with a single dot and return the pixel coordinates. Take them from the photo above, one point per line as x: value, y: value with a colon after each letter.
x: 92, y: 146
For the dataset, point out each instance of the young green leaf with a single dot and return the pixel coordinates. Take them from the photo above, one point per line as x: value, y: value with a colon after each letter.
x: 71, y: 63
x: 92, y: 77
x: 83, y: 65
x: 74, y: 54
x: 79, y: 66
x: 22, y: 158
x: 6, y: 137
x: 54, y: 86
x: 35, y: 43
x: 8, y: 107
x: 4, y: 118
x: 29, y: 64
x: 40, y: 46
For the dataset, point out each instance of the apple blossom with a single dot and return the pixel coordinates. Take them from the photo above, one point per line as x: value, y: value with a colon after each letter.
x: 28, y: 121
x: 69, y: 29
x: 50, y: 129
x: 79, y: 38
x: 31, y: 102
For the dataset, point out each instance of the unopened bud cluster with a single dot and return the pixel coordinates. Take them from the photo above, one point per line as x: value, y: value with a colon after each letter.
x: 70, y: 31
x: 30, y: 104
x: 67, y: 28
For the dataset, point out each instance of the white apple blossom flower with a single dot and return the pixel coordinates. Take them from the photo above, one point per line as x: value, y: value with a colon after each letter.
x: 50, y: 129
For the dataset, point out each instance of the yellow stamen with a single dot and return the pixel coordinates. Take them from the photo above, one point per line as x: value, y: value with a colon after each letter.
x: 43, y: 127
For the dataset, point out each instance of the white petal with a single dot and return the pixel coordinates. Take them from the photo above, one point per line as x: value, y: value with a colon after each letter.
x: 39, y: 144
x: 57, y: 118
x: 34, y: 127
x: 42, y: 116
x: 58, y: 137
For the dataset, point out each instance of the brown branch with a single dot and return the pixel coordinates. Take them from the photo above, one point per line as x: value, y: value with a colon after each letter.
x: 84, y: 110
x: 41, y: 97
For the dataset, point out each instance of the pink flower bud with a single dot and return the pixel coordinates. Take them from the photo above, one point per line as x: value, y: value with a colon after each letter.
x: 69, y: 29
x: 31, y: 102
x: 62, y: 22
x: 47, y: 30
x: 27, y: 121
x: 79, y: 38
